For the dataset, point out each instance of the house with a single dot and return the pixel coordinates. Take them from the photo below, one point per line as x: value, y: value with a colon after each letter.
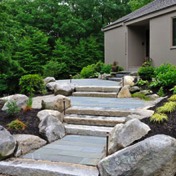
x: 149, y: 32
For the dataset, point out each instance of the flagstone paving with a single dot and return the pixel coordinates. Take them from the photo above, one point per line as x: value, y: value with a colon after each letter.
x: 87, y: 150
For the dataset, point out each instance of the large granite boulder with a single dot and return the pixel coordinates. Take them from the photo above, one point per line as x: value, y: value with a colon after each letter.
x: 63, y: 89
x: 49, y: 79
x: 42, y: 114
x: 20, y: 99
x: 124, y: 92
x: 51, y: 128
x: 27, y: 143
x: 154, y: 156
x: 7, y: 143
x: 50, y: 86
x: 56, y: 103
x: 125, y: 134
x: 129, y: 80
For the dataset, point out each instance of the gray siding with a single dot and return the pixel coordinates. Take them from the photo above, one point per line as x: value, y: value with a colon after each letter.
x: 161, y: 50
x: 115, y: 46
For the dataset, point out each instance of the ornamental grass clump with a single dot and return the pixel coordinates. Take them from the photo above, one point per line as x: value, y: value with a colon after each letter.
x: 141, y: 96
x: 167, y: 107
x: 17, y: 125
x: 28, y: 105
x: 172, y: 98
x: 159, y: 118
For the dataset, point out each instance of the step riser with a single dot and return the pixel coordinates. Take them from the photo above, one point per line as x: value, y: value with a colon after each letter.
x: 98, y: 112
x: 97, y: 89
x: 81, y: 94
x: 86, y: 132
x: 93, y: 122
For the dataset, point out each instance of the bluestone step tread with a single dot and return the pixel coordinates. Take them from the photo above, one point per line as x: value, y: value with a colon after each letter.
x: 95, y: 94
x: 87, y: 130
x: 93, y: 120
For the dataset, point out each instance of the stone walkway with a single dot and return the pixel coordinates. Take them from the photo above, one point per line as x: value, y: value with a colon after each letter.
x: 86, y: 150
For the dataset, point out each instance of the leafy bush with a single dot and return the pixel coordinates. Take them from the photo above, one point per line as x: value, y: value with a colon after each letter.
x: 119, y: 68
x: 161, y: 92
x: 167, y: 107
x: 172, y: 98
x: 106, y: 68
x: 32, y: 84
x: 165, y: 75
x: 159, y: 117
x: 13, y: 109
x: 17, y: 125
x: 77, y: 76
x: 88, y: 72
x: 98, y: 66
x: 141, y: 96
x: 146, y: 72
x: 142, y: 82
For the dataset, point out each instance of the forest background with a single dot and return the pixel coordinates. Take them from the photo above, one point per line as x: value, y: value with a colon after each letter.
x: 62, y: 36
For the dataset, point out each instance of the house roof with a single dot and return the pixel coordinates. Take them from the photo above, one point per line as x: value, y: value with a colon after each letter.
x: 152, y: 7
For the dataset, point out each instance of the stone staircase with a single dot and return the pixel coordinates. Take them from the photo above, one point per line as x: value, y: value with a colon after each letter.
x: 97, y: 91
x: 119, y: 75
x: 93, y: 121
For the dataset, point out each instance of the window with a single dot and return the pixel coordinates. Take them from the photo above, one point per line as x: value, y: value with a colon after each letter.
x: 174, y: 32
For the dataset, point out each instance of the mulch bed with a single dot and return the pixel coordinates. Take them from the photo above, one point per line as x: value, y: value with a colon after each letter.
x: 167, y: 128
x: 29, y: 118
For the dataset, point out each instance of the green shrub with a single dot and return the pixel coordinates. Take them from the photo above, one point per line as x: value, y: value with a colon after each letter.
x: 119, y: 68
x: 98, y: 66
x: 159, y: 117
x: 88, y: 72
x: 77, y: 76
x: 17, y: 125
x: 141, y: 96
x: 147, y: 63
x: 172, y: 98
x: 161, y: 92
x: 12, y: 108
x: 142, y: 82
x: 165, y: 75
x: 32, y: 84
x: 146, y: 72
x: 167, y: 107
x: 106, y: 68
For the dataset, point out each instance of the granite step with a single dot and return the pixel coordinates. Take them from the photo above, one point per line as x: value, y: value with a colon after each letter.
x: 97, y: 89
x: 26, y: 167
x: 97, y: 111
x: 87, y: 130
x: 95, y: 94
x: 93, y: 120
